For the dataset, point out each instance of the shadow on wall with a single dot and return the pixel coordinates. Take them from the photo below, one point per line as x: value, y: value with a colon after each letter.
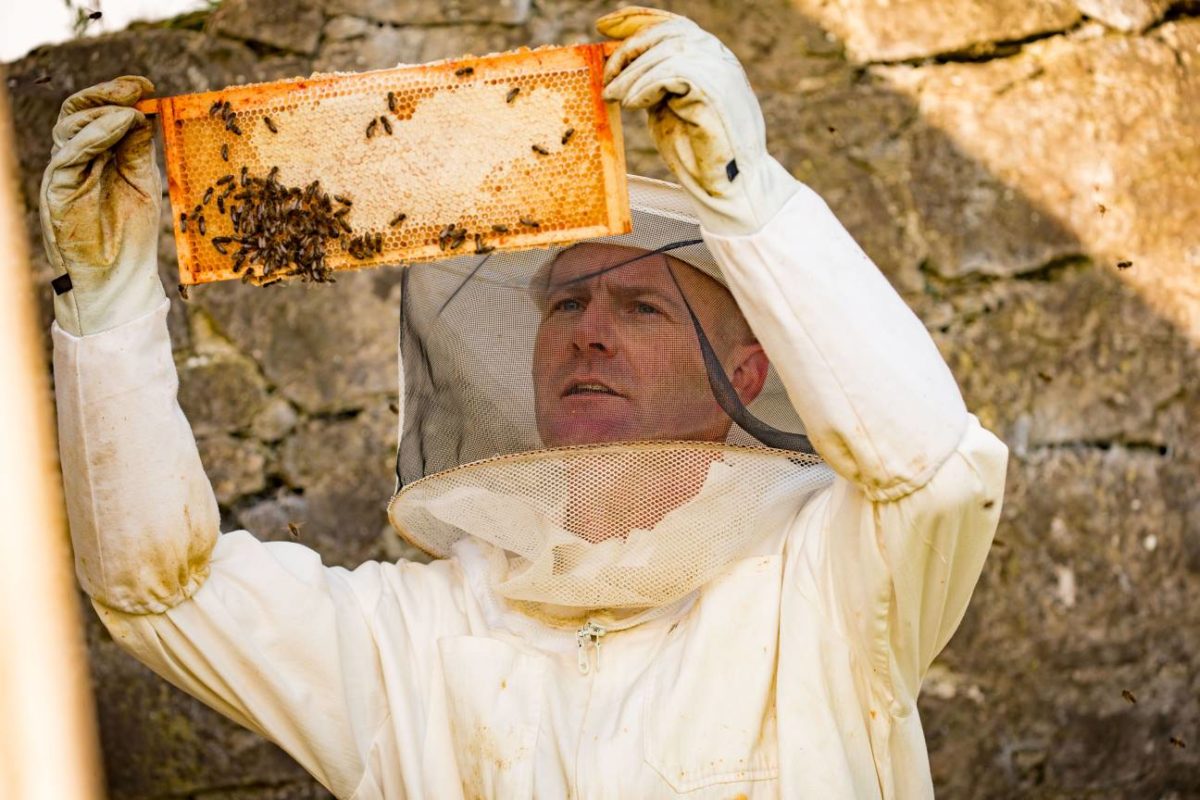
x: 997, y: 180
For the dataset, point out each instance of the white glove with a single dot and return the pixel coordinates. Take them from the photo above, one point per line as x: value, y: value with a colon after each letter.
x: 100, y: 209
x: 703, y: 115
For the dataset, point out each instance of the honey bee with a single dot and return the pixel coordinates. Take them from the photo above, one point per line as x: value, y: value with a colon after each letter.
x: 1124, y: 264
x: 270, y: 123
x: 200, y: 225
x: 387, y: 126
x: 294, y: 530
x: 234, y: 129
x: 225, y: 152
x: 541, y: 151
x: 396, y: 220
x: 183, y: 291
x: 219, y: 242
x: 1103, y: 209
x: 392, y: 102
x: 480, y: 247
x: 512, y: 94
x: 462, y: 72
x: 500, y: 228
x: 1178, y: 742
x: 346, y: 201
x: 567, y: 134
x: 183, y: 222
x: 371, y: 127
x: 221, y: 205
x: 273, y: 174
x: 224, y: 179
x: 217, y: 105
x: 378, y: 242
x: 1128, y: 695
x: 532, y: 223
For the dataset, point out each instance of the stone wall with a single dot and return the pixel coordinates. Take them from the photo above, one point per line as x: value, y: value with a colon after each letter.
x: 997, y: 158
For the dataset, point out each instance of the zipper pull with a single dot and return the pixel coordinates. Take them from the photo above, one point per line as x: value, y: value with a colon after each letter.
x: 588, y: 634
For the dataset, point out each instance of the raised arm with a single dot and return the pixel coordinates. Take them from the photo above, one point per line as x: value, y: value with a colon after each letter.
x: 897, y: 545
x: 262, y: 632
x: 143, y: 515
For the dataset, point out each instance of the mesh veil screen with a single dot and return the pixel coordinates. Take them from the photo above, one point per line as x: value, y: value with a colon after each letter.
x: 557, y: 405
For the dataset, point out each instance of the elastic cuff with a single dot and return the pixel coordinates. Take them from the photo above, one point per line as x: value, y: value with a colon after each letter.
x: 56, y: 328
x: 760, y: 194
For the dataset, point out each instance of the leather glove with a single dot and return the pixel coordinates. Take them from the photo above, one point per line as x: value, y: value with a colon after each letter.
x: 703, y: 115
x: 100, y: 202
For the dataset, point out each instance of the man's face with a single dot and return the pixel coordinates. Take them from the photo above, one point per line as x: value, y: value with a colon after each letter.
x: 616, y: 356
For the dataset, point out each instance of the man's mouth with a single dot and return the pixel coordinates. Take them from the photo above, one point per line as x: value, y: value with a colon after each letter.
x: 589, y: 387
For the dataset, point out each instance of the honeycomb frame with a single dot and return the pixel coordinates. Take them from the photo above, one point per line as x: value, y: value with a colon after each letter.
x: 507, y: 151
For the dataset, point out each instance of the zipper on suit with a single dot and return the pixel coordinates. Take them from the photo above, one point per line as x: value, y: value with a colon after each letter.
x: 588, y: 634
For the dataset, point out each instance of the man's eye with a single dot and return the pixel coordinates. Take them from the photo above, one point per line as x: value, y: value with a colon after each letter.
x: 646, y: 308
x: 569, y: 304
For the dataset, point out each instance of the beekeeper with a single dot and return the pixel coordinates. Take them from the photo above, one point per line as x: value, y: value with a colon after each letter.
x: 648, y: 587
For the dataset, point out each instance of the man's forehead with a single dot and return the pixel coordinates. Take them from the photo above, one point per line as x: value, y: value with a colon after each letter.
x: 618, y: 264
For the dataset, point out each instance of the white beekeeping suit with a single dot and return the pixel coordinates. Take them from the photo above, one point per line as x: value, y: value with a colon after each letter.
x: 647, y: 588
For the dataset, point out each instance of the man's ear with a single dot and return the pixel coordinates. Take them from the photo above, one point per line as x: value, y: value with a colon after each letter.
x: 750, y: 371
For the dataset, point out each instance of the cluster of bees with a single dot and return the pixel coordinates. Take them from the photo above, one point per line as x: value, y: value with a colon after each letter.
x: 365, y: 245
x: 453, y: 236
x: 382, y: 120
x: 278, y: 231
x: 224, y: 109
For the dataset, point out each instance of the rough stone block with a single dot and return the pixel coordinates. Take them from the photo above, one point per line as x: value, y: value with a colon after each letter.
x: 274, y: 420
x: 379, y: 47
x: 1019, y: 164
x: 293, y: 25
x: 1082, y: 597
x: 896, y: 30
x: 441, y: 42
x: 316, y: 354
x: 345, y: 27
x: 346, y: 468
x: 1125, y: 15
x: 268, y: 519
x: 219, y: 394
x: 235, y: 467
x: 1075, y: 359
x: 434, y: 12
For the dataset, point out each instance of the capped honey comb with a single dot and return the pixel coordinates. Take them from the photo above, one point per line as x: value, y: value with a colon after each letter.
x: 507, y: 151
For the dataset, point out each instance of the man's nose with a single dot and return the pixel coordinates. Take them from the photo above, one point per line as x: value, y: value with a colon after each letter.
x: 593, y: 331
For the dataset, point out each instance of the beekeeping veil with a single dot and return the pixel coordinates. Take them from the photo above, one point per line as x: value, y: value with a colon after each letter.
x: 601, y: 414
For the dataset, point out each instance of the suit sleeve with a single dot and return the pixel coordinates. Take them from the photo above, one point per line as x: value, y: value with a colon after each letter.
x: 897, y: 544
x: 262, y: 632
